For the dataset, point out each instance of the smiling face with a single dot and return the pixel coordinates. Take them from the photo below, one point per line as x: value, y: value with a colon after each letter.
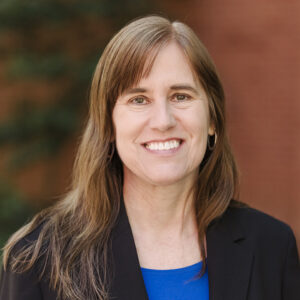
x: 162, y: 123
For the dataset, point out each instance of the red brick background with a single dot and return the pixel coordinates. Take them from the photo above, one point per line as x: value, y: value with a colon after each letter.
x: 256, y: 47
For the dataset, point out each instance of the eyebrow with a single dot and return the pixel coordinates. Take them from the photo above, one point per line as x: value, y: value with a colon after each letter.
x: 175, y: 87
x: 188, y: 87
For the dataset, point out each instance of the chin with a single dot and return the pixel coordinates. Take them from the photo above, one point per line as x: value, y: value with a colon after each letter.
x: 165, y: 179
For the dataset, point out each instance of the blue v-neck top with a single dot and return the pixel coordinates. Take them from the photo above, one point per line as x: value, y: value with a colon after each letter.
x: 176, y: 284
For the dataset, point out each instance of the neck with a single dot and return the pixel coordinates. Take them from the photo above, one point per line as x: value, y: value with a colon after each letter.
x: 160, y: 211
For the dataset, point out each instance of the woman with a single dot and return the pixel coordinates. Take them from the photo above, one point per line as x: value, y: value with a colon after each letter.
x: 150, y: 214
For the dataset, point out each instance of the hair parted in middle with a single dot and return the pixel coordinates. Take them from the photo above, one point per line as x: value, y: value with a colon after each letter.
x: 90, y: 209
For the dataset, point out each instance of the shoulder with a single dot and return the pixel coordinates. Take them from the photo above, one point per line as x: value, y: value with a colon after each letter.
x: 31, y: 236
x: 26, y: 249
x: 256, y: 219
x: 24, y: 238
x: 20, y: 280
x: 272, y: 242
x: 259, y: 226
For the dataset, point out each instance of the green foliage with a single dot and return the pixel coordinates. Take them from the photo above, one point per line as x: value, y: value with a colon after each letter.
x: 13, y: 211
x: 37, y: 133
x: 20, y: 13
x: 43, y: 67
x: 50, y: 41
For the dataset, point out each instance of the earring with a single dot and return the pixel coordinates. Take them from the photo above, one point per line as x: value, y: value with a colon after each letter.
x: 211, y: 146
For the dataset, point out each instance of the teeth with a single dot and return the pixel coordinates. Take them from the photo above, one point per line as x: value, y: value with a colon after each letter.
x: 163, y: 146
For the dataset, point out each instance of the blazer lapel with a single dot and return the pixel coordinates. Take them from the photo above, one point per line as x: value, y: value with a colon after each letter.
x: 229, y: 259
x: 127, y: 283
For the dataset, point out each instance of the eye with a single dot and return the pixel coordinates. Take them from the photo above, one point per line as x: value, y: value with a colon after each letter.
x: 181, y: 97
x: 139, y: 100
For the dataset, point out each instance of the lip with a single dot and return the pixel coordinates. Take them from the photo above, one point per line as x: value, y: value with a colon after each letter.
x: 164, y: 140
x: 164, y: 152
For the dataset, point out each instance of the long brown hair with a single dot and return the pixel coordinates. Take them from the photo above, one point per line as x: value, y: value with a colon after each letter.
x: 75, y: 232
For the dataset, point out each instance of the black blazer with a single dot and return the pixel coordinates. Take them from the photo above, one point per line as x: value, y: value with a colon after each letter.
x: 251, y: 256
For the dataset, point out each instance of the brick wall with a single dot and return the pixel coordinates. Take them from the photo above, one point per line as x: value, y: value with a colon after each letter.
x: 256, y: 47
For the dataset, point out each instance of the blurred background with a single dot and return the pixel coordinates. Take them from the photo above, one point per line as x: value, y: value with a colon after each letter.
x: 48, y: 52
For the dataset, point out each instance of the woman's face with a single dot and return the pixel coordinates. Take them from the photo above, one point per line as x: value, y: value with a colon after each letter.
x: 162, y: 123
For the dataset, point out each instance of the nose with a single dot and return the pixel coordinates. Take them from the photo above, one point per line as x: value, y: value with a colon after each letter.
x: 162, y: 117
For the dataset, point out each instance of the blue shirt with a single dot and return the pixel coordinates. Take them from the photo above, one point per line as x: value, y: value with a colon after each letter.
x: 176, y: 284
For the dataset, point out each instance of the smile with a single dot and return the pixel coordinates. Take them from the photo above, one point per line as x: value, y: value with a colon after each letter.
x: 163, y: 146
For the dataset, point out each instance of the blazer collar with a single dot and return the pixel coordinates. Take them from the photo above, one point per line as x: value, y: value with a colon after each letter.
x: 127, y: 283
x: 229, y: 260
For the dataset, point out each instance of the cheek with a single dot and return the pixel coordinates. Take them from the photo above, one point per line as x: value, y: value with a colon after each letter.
x: 129, y: 123
x: 127, y: 131
x: 197, y: 124
x: 121, y: 123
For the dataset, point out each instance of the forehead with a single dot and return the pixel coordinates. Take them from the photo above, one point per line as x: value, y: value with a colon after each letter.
x: 163, y: 59
x: 171, y: 64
